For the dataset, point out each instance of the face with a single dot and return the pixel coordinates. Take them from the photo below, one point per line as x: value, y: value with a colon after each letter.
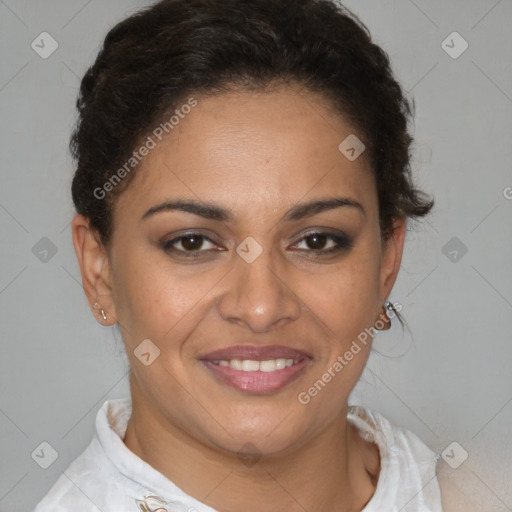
x: 247, y: 249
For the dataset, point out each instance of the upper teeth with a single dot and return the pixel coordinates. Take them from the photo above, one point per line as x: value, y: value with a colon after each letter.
x: 248, y: 365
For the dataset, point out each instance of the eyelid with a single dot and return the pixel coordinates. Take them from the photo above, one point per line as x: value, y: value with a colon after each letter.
x: 330, y: 232
x: 341, y: 240
x: 167, y: 244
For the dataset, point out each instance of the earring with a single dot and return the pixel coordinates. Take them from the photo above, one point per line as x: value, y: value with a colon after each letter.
x: 383, y: 324
x: 96, y: 305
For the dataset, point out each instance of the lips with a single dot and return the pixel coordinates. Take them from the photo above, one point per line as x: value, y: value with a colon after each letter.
x: 256, y: 369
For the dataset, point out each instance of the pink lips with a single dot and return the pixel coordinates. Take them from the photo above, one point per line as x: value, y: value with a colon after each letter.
x: 257, y: 382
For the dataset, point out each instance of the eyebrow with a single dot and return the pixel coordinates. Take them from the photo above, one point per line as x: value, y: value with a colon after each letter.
x: 214, y: 212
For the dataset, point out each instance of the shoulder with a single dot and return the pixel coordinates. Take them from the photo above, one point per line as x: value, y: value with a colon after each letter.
x: 407, y: 476
x: 66, y: 493
x: 78, y: 486
x: 91, y: 482
x: 394, y: 441
x: 458, y: 490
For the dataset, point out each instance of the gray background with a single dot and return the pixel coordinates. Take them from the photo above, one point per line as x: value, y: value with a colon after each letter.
x: 447, y: 379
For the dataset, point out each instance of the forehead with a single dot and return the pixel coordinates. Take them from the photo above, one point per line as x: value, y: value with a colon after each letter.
x: 261, y: 148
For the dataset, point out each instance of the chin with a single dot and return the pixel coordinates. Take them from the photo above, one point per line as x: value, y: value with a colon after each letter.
x: 270, y: 435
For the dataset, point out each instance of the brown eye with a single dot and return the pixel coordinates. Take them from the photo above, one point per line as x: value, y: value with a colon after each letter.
x: 191, y: 242
x: 316, y: 241
x: 323, y: 243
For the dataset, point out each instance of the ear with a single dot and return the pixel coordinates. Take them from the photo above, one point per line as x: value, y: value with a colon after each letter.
x: 392, y: 250
x: 95, y: 269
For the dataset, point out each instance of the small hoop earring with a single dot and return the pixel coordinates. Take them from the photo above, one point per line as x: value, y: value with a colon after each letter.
x: 386, y: 324
x: 96, y: 305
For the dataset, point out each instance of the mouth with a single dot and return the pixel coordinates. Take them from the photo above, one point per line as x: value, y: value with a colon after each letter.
x: 251, y: 365
x: 256, y: 369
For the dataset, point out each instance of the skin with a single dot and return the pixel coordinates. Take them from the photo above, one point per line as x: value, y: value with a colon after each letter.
x: 256, y: 155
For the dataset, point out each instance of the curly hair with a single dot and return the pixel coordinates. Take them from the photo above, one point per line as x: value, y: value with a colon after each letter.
x: 153, y: 60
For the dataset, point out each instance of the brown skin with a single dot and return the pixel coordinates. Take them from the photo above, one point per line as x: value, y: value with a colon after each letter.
x: 258, y: 155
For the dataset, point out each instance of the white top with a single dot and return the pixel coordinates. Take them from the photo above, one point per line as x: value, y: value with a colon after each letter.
x: 108, y: 477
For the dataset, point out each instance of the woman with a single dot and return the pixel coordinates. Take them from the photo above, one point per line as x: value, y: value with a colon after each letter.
x: 242, y: 191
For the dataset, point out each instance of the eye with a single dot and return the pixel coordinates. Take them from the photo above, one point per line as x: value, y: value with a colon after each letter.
x: 323, y: 243
x: 189, y: 243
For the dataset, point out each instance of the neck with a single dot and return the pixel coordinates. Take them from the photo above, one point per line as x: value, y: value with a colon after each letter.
x: 334, y: 471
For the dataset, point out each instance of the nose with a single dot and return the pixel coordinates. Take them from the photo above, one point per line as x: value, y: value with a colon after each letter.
x: 259, y: 296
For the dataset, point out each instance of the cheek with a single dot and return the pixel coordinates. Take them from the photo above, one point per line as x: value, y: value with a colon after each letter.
x: 343, y: 299
x: 156, y: 301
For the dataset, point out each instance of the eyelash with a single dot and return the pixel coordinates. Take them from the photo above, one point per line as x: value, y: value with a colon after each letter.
x: 342, y: 243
